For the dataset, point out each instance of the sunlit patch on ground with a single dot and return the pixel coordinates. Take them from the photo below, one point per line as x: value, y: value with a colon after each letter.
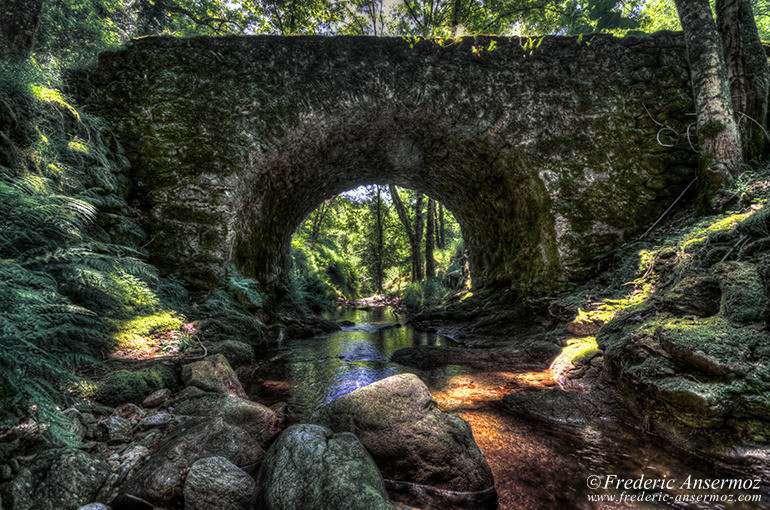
x: 470, y: 391
x: 148, y: 336
x: 521, y: 465
x: 578, y: 353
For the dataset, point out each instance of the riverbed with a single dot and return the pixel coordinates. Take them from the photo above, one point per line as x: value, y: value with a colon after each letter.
x: 535, y: 465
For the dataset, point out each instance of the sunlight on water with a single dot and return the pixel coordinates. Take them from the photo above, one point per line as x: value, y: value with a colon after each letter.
x: 319, y: 370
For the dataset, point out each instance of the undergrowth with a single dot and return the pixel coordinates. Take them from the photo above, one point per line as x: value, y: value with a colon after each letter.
x: 70, y: 264
x: 641, y: 270
x: 424, y: 295
x: 320, y: 275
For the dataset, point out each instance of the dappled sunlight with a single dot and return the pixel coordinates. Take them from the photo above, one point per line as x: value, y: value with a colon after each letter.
x: 148, y: 336
x: 523, y: 465
x: 578, y: 351
x: 476, y: 390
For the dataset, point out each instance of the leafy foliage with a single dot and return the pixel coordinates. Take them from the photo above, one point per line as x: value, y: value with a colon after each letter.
x: 64, y: 283
x: 424, y: 295
x: 335, y: 251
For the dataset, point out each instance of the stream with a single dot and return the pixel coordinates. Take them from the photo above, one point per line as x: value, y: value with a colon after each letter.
x: 534, y: 465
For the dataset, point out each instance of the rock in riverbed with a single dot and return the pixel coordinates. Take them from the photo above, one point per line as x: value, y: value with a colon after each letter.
x: 160, y: 481
x: 409, y: 438
x: 217, y: 483
x: 312, y: 467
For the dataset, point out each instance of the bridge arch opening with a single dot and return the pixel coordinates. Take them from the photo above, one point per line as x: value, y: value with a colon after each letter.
x: 375, y: 240
x: 499, y: 203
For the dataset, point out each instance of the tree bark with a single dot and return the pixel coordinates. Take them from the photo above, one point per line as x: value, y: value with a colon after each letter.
x: 441, y: 228
x: 378, y: 264
x: 318, y: 220
x: 718, y: 135
x: 747, y: 71
x: 430, y: 262
x: 19, y: 21
x: 417, y: 247
x: 404, y: 217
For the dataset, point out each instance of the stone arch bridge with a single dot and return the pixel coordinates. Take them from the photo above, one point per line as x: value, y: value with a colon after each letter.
x: 549, y: 154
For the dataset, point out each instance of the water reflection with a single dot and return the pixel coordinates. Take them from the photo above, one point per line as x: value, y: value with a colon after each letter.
x: 319, y: 370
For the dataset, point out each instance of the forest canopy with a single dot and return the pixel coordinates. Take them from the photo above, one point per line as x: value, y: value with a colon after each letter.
x: 80, y: 28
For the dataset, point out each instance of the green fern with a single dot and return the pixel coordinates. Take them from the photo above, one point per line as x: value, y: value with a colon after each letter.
x: 60, y: 276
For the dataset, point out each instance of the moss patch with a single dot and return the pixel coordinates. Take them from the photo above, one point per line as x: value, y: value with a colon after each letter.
x: 743, y: 292
x: 126, y: 386
x: 144, y: 336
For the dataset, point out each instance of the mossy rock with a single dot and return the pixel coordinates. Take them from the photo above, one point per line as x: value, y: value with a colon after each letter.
x: 694, y: 296
x: 717, y: 339
x: 744, y: 297
x: 127, y: 386
x: 757, y: 225
x: 696, y: 405
x: 238, y: 354
x: 213, y: 374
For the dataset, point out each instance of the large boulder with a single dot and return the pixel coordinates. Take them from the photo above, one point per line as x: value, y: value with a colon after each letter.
x: 237, y: 353
x: 260, y: 421
x: 213, y: 374
x: 57, y: 480
x: 698, y: 295
x: 312, y: 467
x: 215, y: 482
x: 409, y: 438
x: 160, y: 481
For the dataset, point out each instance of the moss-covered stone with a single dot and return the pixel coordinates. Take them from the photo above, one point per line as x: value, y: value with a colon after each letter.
x: 126, y: 386
x: 213, y: 374
x: 744, y: 295
x: 699, y: 295
x: 758, y: 224
x: 237, y: 353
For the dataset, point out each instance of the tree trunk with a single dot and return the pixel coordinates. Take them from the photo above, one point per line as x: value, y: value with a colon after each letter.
x: 718, y: 136
x: 404, y: 217
x: 378, y: 264
x: 430, y: 262
x: 441, y: 228
x: 747, y: 72
x: 19, y: 20
x: 417, y: 247
x: 455, y: 23
x: 318, y: 220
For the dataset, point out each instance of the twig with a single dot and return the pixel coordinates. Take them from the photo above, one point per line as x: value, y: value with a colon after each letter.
x: 689, y: 140
x: 739, y: 245
x: 752, y: 119
x: 651, y: 117
x: 667, y: 210
x: 657, y: 137
x: 663, y: 127
x: 205, y: 351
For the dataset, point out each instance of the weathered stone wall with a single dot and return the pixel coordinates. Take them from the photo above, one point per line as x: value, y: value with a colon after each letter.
x: 547, y: 157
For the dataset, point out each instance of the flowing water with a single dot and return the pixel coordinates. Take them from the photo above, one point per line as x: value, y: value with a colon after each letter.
x: 534, y: 465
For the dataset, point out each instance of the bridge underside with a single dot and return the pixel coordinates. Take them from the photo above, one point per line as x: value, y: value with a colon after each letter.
x: 548, y: 157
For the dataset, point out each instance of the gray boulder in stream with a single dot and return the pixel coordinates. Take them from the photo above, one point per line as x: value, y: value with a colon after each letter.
x: 56, y: 479
x: 260, y: 421
x: 312, y: 467
x: 409, y: 438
